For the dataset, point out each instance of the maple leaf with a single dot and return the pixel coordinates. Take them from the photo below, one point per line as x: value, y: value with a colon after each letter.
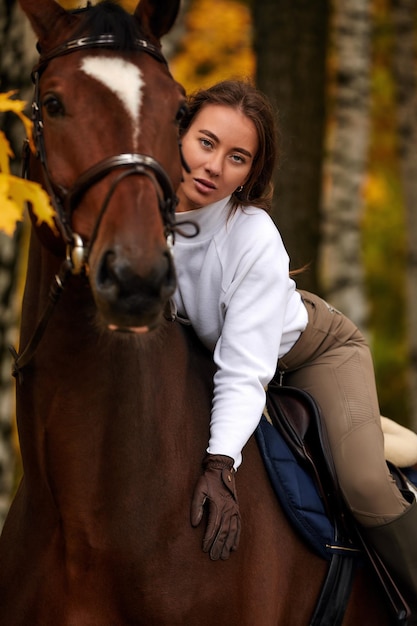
x: 14, y: 194
x: 5, y: 154
x: 17, y: 107
x: 11, y: 213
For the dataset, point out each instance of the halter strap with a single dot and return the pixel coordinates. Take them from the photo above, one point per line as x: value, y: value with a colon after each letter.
x: 136, y: 162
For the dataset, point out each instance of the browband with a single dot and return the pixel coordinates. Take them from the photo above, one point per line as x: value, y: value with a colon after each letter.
x: 102, y: 41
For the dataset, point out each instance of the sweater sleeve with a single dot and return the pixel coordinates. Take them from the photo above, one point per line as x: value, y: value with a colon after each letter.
x: 246, y: 353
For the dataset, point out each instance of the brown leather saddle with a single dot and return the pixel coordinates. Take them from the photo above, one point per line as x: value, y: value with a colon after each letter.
x: 295, y: 414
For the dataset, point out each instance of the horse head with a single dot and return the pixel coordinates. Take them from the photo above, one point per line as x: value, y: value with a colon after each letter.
x: 106, y: 112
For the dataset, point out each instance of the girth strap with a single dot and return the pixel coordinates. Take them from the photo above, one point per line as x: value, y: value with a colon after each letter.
x: 334, y: 596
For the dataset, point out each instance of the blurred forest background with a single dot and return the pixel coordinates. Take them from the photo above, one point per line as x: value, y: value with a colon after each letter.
x: 342, y: 77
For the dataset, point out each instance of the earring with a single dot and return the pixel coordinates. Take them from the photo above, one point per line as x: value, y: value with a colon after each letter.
x: 239, y: 189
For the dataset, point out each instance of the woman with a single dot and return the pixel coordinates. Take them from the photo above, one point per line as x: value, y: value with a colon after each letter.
x: 235, y: 288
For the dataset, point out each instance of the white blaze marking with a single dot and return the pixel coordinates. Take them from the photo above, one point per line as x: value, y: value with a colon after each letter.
x: 124, y: 79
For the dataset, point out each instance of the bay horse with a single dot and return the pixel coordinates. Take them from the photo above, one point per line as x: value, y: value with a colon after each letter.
x: 113, y: 398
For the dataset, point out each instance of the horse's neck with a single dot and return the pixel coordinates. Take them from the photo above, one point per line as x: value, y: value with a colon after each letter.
x: 116, y: 408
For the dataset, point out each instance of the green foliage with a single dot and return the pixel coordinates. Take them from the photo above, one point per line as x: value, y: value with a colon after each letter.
x: 384, y: 248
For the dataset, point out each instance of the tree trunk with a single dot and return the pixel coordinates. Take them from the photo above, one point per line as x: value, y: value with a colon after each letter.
x: 18, y: 55
x: 341, y: 255
x: 404, y: 68
x: 290, y: 44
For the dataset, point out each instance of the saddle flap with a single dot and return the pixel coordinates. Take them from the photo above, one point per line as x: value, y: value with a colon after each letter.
x: 294, y: 413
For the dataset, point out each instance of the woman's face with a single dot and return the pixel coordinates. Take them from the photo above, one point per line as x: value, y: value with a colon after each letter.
x: 219, y: 147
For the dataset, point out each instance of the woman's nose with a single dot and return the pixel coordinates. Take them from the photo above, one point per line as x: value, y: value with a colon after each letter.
x: 214, y: 165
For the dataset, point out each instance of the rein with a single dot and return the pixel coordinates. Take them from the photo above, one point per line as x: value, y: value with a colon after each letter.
x: 65, y: 201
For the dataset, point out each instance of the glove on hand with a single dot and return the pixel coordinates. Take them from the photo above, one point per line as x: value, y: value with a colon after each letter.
x: 217, y: 487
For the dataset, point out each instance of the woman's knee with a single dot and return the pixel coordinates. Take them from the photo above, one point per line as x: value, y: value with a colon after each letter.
x: 361, y: 488
x: 372, y: 496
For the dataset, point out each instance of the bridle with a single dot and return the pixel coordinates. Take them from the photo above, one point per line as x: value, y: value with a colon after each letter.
x: 65, y: 201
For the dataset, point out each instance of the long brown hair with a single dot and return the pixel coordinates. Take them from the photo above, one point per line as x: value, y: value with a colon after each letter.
x: 242, y: 95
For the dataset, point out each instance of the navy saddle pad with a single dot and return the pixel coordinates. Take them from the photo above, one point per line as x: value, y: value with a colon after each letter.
x: 298, y: 494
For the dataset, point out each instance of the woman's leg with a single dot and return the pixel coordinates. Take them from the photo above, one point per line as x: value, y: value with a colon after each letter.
x: 342, y: 382
x: 333, y: 363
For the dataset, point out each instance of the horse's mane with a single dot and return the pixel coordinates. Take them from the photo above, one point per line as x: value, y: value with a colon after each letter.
x: 109, y: 18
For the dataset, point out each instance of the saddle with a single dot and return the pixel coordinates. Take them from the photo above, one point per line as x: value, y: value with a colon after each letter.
x: 295, y: 416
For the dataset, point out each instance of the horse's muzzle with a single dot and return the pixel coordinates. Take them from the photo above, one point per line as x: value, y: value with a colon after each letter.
x: 130, y: 299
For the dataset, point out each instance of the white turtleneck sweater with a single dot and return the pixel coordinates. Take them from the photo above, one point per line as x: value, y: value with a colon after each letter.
x: 234, y: 287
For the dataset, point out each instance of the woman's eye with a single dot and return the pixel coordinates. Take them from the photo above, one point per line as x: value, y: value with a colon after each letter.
x: 205, y: 143
x: 53, y: 106
x: 237, y: 158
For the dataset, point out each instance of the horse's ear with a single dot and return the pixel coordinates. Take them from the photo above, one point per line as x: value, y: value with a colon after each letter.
x: 45, y: 15
x: 157, y: 17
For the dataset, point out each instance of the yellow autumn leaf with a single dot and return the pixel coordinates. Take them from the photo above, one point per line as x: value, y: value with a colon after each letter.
x: 10, y: 212
x: 6, y: 104
x: 28, y: 191
x: 17, y: 107
x: 129, y: 5
x: 216, y: 47
x: 14, y: 194
x: 5, y: 154
x: 375, y: 190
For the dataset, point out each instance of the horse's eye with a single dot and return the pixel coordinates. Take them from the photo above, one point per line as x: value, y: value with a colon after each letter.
x: 182, y: 111
x: 53, y: 106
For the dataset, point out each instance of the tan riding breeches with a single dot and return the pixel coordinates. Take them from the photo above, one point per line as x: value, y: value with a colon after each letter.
x: 332, y: 361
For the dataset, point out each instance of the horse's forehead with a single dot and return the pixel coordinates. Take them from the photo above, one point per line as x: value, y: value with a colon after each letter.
x: 123, y: 78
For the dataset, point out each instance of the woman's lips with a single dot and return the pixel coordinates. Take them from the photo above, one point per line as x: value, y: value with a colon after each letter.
x: 204, y: 186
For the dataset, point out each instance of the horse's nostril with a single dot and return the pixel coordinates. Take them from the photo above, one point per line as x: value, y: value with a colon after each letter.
x: 106, y: 276
x: 119, y: 279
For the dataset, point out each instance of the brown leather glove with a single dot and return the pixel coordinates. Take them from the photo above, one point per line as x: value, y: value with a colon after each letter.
x: 216, y: 487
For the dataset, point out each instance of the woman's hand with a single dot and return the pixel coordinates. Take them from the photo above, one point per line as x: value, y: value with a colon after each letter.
x: 216, y: 488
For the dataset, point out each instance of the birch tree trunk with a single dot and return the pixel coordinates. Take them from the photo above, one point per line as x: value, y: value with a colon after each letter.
x: 17, y: 57
x: 290, y: 41
x: 404, y: 15
x: 341, y: 256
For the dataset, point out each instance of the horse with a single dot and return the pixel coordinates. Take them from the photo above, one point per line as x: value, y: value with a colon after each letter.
x: 113, y: 396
